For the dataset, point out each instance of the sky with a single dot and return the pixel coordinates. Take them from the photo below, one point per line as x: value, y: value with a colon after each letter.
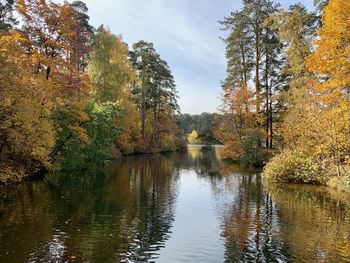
x: 186, y: 34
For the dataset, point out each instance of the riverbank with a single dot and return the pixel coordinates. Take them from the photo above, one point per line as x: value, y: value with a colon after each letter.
x: 301, y: 168
x: 13, y: 174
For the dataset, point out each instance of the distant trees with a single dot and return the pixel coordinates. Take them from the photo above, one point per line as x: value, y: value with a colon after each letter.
x: 202, y: 125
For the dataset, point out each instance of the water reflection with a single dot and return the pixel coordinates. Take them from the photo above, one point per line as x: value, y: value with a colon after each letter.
x: 251, y: 225
x: 190, y: 207
x: 315, y: 222
x: 125, y: 215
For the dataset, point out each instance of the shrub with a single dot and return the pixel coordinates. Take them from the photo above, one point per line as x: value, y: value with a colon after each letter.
x: 246, y: 151
x: 252, y: 154
x: 295, y: 167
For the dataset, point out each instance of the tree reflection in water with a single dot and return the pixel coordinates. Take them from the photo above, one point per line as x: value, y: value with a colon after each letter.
x: 91, y: 217
x: 143, y: 209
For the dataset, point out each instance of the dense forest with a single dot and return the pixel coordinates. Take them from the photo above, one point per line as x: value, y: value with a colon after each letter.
x: 73, y: 95
x: 198, y: 128
x: 287, y: 90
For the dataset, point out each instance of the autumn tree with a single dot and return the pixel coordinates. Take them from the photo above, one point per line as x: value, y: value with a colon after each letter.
x: 252, y: 52
x: 316, y: 124
x: 192, y: 138
x: 237, y: 126
x: 330, y: 66
x: 109, y: 68
x: 296, y: 28
x: 113, y: 76
x: 26, y: 132
x: 50, y: 31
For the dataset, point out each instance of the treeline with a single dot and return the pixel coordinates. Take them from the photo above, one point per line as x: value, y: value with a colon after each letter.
x: 198, y: 128
x: 287, y: 89
x: 73, y: 96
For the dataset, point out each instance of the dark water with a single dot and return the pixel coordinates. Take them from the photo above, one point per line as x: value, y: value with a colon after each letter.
x: 172, y: 208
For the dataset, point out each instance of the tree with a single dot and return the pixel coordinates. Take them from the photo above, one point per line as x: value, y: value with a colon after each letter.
x: 239, y: 52
x: 84, y: 133
x: 316, y: 124
x: 331, y: 68
x: 156, y: 90
x: 50, y: 30
x: 109, y: 67
x: 192, y: 138
x: 296, y: 28
x: 83, y: 35
x: 80, y: 46
x: 320, y: 4
x: 143, y: 56
x: 252, y: 52
x: 236, y: 123
x: 112, y: 76
x: 26, y: 132
x: 255, y: 12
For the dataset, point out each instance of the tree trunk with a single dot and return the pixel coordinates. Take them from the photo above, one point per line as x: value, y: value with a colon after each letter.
x: 270, y: 118
x: 143, y: 103
x: 155, y: 125
x: 257, y: 73
x: 48, y: 70
x: 257, y: 80
x: 267, y: 128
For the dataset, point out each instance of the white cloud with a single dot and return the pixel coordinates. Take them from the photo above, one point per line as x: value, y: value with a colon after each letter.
x: 184, y: 32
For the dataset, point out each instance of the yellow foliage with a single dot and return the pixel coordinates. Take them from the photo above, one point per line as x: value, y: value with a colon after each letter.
x: 80, y: 133
x: 26, y: 132
x: 192, y: 137
x: 130, y: 124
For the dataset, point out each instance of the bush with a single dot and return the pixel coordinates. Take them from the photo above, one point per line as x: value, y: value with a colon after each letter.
x: 252, y: 154
x: 294, y: 167
x: 247, y: 151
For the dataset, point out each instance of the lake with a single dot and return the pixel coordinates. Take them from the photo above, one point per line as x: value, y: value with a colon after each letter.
x: 181, y: 207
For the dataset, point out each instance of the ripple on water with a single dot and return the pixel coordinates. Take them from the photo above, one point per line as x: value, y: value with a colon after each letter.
x: 172, y: 208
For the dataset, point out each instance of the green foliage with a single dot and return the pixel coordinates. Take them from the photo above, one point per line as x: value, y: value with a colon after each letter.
x: 156, y: 96
x: 252, y: 154
x: 109, y: 68
x: 293, y: 166
x: 85, y: 134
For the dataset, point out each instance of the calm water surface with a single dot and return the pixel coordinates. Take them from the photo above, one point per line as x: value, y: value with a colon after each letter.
x: 189, y: 207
